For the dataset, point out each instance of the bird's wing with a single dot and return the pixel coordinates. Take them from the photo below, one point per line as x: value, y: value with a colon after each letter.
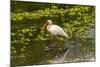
x: 57, y: 30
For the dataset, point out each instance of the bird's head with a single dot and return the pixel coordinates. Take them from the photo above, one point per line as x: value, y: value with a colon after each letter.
x: 48, y: 22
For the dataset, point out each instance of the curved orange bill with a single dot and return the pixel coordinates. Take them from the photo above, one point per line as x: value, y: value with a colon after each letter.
x: 45, y: 25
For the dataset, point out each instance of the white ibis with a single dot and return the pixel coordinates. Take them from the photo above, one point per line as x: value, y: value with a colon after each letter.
x: 55, y: 29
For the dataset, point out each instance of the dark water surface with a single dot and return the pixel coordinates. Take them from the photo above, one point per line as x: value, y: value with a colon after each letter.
x: 36, y: 52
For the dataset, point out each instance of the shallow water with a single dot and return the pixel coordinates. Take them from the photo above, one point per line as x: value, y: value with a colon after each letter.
x: 37, y: 52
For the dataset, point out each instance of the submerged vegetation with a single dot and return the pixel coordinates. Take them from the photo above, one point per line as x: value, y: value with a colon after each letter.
x: 28, y: 40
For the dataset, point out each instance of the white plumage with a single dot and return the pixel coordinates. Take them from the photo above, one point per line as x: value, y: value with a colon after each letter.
x: 55, y: 29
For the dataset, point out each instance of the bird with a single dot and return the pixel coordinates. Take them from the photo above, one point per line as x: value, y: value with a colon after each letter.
x: 55, y: 29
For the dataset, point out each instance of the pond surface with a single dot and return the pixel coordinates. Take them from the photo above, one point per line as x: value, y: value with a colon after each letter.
x: 37, y: 52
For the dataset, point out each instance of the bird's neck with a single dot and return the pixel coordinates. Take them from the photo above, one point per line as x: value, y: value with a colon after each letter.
x: 48, y: 26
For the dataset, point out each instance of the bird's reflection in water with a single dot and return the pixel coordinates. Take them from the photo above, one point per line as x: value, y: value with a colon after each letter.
x: 57, y: 51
